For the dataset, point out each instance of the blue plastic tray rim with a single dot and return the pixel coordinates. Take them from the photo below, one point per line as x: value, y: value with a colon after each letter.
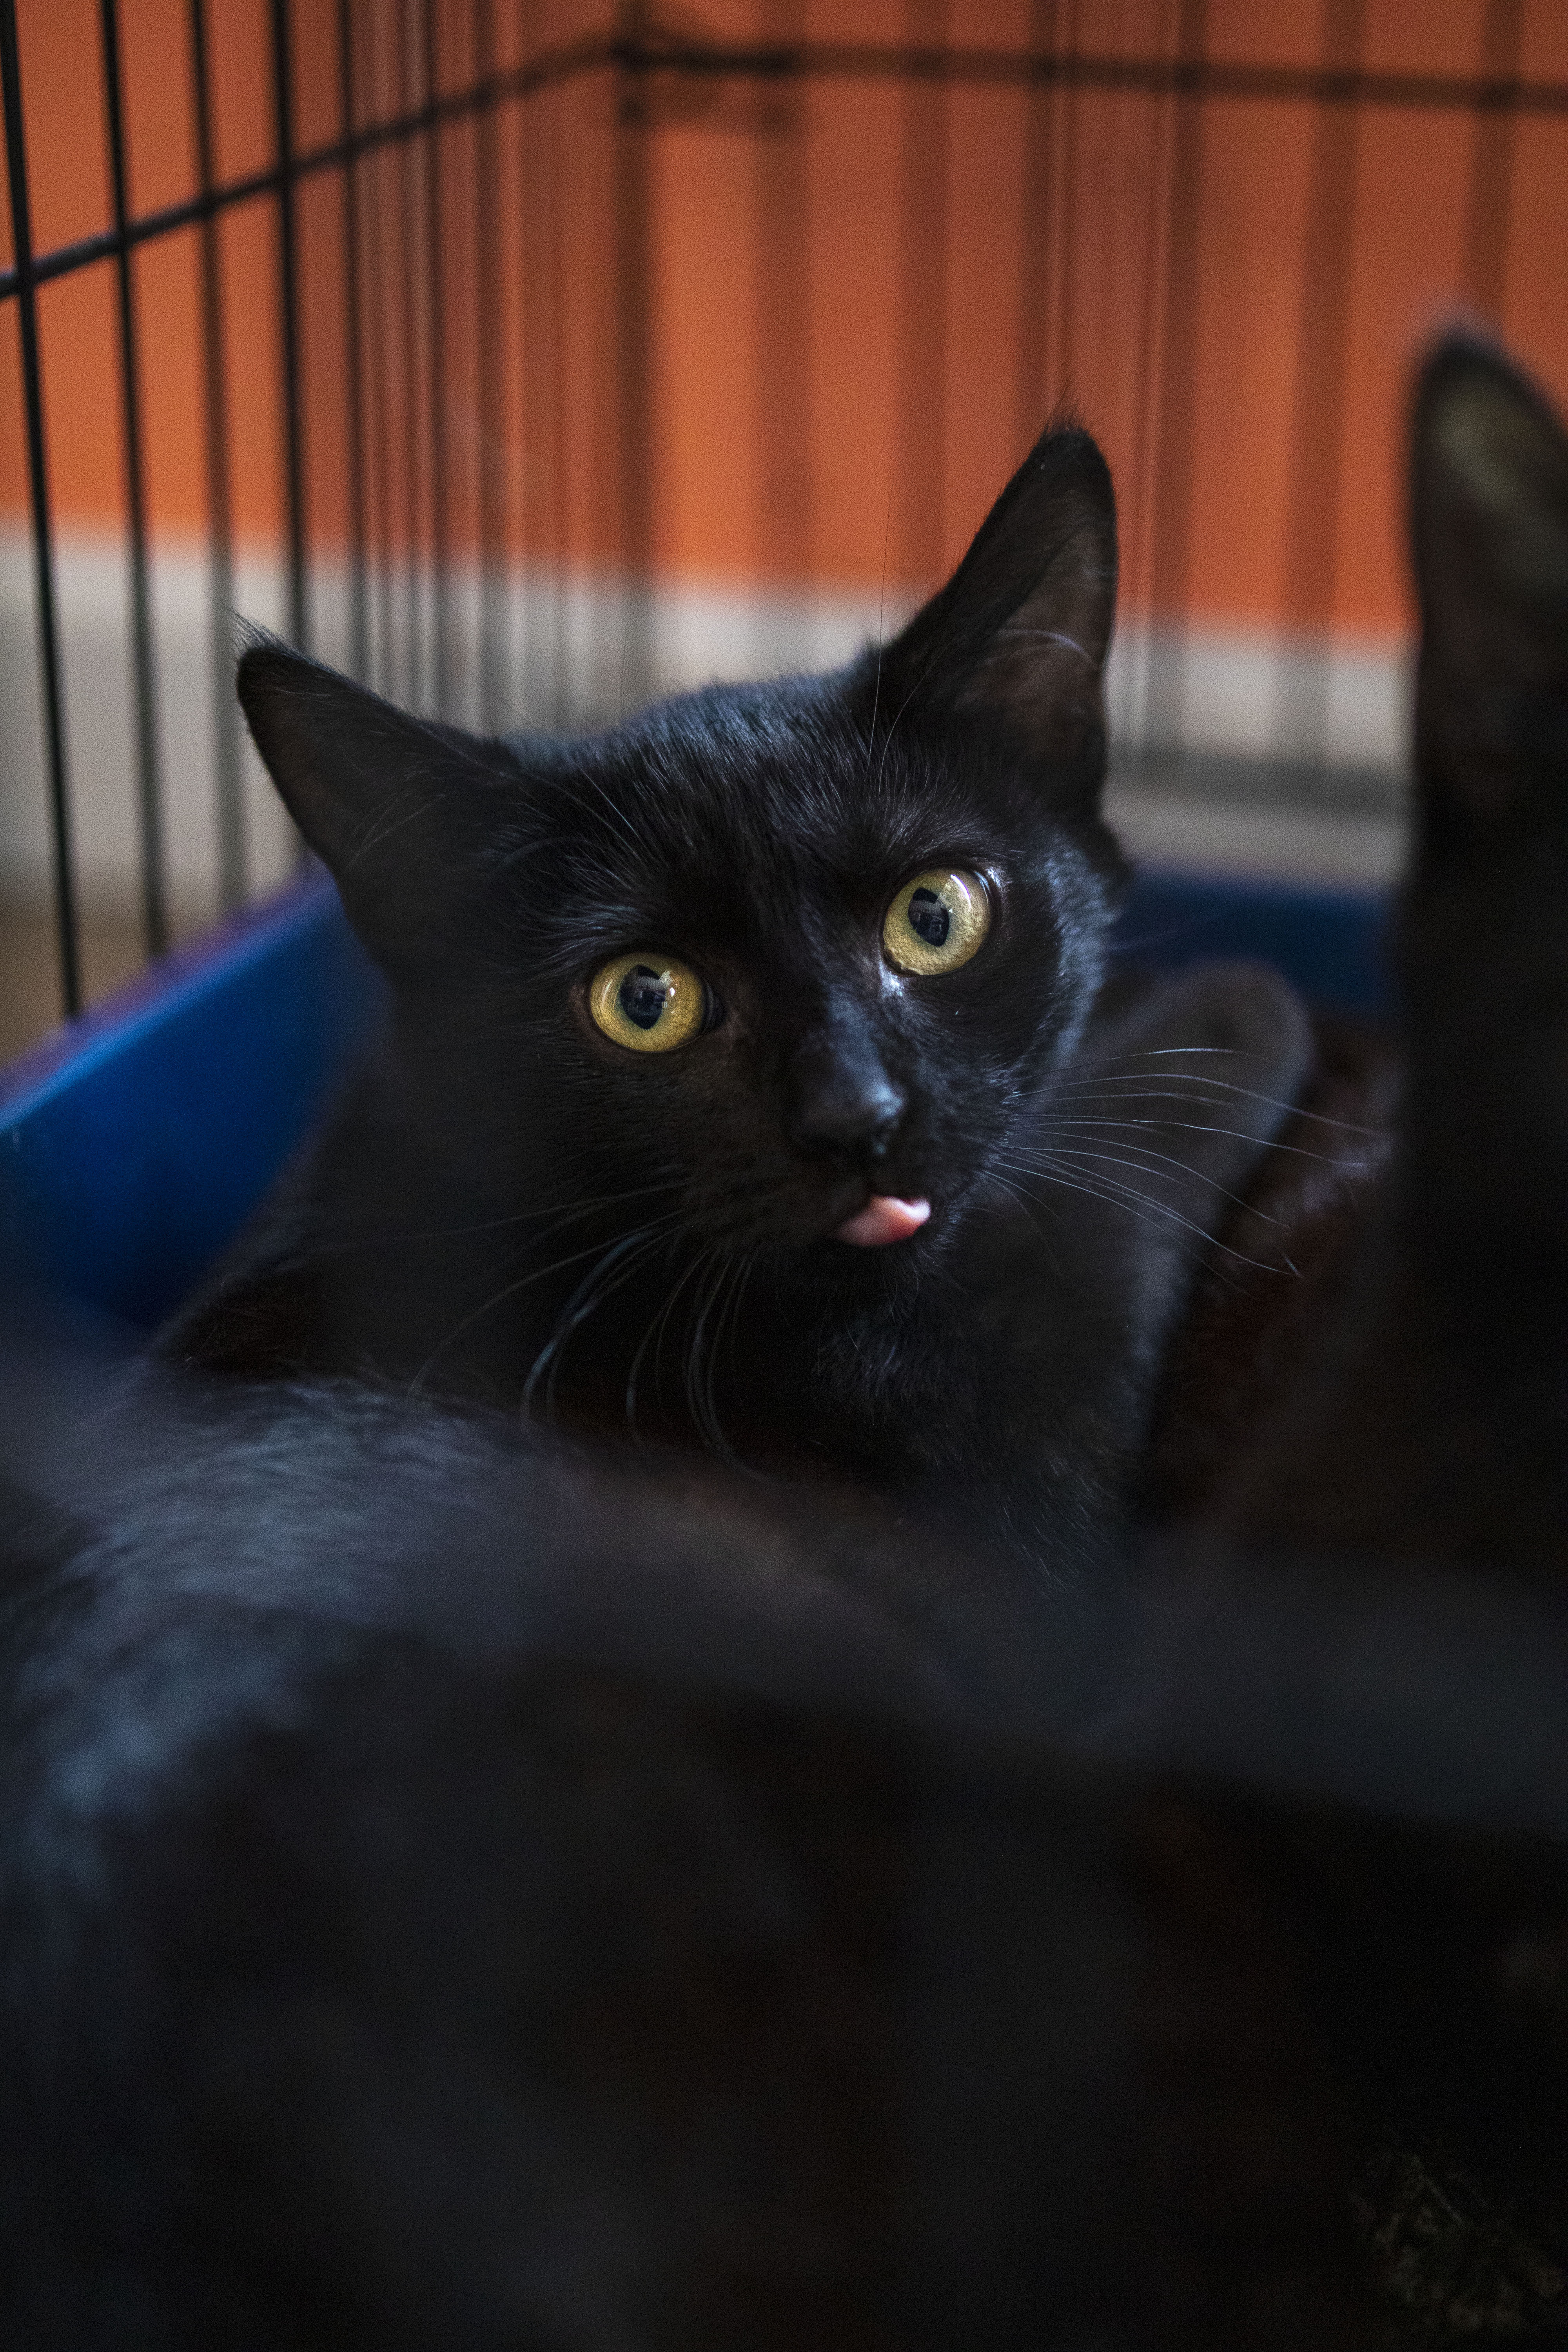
x: 68, y: 1053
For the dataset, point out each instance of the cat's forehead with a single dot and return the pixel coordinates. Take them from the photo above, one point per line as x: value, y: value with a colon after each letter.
x: 755, y: 793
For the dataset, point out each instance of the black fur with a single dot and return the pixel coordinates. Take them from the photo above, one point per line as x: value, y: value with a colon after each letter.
x: 1429, y: 1414
x: 459, y: 1890
x: 1422, y: 1416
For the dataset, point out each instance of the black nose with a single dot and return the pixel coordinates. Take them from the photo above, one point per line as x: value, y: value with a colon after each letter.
x: 843, y: 1099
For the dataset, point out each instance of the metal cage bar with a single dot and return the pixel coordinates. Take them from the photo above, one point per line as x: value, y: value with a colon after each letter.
x: 490, y: 362
x: 442, y: 664
x: 24, y: 275
x: 289, y: 327
x: 353, y: 352
x: 149, y: 780
x: 411, y: 674
x: 639, y: 54
x: 228, y: 803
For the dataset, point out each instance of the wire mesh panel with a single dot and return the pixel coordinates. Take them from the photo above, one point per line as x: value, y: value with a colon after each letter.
x: 525, y: 359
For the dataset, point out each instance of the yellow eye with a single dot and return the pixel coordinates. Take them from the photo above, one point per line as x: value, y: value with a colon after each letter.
x: 937, y: 921
x: 650, y: 1003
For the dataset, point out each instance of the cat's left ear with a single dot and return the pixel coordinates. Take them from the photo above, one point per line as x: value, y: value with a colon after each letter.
x: 1489, y: 538
x: 1021, y: 631
x: 401, y: 811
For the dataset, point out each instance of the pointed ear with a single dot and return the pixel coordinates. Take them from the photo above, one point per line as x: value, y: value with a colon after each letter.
x: 1020, y: 633
x: 398, y: 810
x: 1489, y: 533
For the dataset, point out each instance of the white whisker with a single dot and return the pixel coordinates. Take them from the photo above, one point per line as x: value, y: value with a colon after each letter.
x: 508, y: 1290
x: 1140, y: 1166
x: 1087, y: 1080
x: 1082, y: 1122
x: 1106, y: 1188
x: 654, y: 1335
x: 589, y: 1293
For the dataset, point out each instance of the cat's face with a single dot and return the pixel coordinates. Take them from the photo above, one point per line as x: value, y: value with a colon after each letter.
x: 774, y: 966
x: 738, y: 990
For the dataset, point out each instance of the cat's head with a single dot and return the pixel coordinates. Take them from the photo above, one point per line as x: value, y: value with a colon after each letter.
x: 771, y: 952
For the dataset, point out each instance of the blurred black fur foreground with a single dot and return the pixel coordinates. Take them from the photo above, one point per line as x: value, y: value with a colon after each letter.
x: 524, y: 1199
x: 463, y: 1890
x: 465, y: 1887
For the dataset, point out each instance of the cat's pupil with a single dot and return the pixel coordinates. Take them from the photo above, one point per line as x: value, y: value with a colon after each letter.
x: 644, y: 993
x: 930, y: 917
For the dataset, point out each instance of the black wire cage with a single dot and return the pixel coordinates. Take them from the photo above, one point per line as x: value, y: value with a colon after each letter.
x: 519, y: 362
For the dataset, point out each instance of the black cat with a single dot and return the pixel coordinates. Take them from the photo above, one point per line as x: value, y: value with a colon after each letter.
x: 736, y: 1088
x: 1434, y: 1382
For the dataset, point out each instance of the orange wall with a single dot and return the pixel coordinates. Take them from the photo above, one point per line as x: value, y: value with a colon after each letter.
x: 862, y: 300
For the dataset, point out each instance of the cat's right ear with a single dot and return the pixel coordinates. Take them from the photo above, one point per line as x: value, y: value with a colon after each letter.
x: 397, y: 810
x: 1021, y: 631
x: 1490, y: 534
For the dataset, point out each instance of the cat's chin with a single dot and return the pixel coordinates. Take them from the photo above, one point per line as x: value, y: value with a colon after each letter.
x: 882, y: 1220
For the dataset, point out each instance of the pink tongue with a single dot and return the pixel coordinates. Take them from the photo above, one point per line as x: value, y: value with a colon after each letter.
x: 881, y: 1220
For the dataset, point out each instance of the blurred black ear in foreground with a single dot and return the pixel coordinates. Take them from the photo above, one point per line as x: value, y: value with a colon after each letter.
x: 1483, y: 940
x: 1421, y: 1406
x: 1490, y: 539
